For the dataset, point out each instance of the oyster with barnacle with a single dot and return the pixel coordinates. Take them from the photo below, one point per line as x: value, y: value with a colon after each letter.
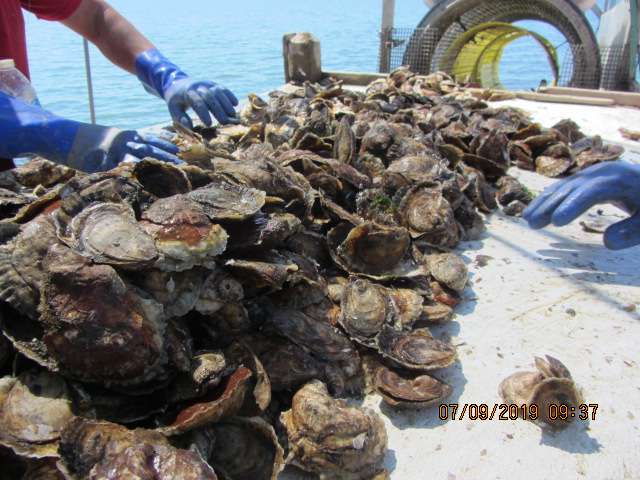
x: 332, y: 440
x: 550, y: 385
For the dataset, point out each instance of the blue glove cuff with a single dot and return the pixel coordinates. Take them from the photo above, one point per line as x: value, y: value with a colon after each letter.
x: 156, y: 72
x: 28, y: 128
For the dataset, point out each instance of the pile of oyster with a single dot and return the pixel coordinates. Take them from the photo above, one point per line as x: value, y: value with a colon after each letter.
x: 211, y: 319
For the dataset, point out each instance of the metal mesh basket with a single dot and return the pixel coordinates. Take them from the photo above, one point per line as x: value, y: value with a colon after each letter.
x: 398, y: 47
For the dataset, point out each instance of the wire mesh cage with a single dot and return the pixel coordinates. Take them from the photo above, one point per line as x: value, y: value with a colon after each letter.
x: 422, y: 51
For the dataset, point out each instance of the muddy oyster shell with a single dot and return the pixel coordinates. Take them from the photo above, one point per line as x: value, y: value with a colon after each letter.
x: 95, y: 449
x: 550, y: 385
x: 34, y: 408
x: 114, y: 336
x: 332, y: 440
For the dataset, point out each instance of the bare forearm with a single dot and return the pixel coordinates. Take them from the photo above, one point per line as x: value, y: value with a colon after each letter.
x: 102, y: 25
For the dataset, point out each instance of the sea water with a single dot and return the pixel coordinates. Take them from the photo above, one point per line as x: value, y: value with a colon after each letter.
x: 235, y: 43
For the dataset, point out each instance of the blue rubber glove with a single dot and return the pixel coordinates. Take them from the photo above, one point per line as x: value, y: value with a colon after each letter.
x: 165, y: 79
x: 617, y: 183
x: 29, y: 129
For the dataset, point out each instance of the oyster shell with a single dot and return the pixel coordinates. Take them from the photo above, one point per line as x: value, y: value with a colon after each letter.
x: 332, y: 440
x: 448, y: 269
x: 550, y: 385
x: 95, y: 449
x: 240, y: 447
x: 183, y: 233
x: 109, y: 233
x: 415, y: 350
x: 223, y: 200
x: 373, y: 249
x: 364, y: 310
x: 21, y: 264
x: 405, y: 389
x: 114, y: 336
x: 427, y: 214
x: 34, y: 408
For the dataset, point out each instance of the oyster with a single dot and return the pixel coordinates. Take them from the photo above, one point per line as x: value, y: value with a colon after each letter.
x: 427, y: 214
x: 223, y: 200
x: 448, y: 269
x: 219, y: 288
x: 405, y: 389
x: 21, y: 264
x: 415, y: 350
x: 550, y: 385
x: 332, y: 440
x: 364, y: 310
x: 183, y: 233
x: 114, y: 336
x: 240, y: 447
x: 95, y: 449
x: 34, y: 408
x: 109, y: 233
x: 373, y: 249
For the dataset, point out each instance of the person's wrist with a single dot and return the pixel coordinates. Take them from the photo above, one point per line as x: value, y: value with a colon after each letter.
x: 156, y: 72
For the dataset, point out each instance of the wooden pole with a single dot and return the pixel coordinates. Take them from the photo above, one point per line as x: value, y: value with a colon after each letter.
x: 386, y: 35
x: 302, y: 59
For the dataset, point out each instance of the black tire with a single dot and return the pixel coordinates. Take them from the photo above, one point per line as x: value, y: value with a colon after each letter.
x: 448, y: 18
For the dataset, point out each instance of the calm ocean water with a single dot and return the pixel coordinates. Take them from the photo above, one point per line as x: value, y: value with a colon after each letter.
x: 237, y: 44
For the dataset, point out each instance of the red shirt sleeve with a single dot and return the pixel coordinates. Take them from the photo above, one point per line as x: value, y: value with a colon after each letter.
x: 55, y: 10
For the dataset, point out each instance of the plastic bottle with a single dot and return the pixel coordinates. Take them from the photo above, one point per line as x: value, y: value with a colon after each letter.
x: 14, y: 83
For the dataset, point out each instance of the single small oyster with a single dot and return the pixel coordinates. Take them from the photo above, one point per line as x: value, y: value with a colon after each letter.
x: 448, y: 269
x: 550, y: 385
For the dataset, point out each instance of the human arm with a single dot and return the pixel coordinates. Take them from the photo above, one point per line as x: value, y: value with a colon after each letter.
x: 126, y: 47
x: 615, y: 182
x: 28, y: 129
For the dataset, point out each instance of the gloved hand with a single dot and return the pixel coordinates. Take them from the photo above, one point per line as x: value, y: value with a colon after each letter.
x: 165, y: 79
x: 29, y: 129
x: 617, y: 183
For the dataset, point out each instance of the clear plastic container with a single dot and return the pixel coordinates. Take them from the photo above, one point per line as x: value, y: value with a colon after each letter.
x: 14, y: 83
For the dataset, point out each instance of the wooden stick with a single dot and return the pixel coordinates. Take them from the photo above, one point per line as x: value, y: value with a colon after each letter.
x: 546, y: 97
x: 620, y: 98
